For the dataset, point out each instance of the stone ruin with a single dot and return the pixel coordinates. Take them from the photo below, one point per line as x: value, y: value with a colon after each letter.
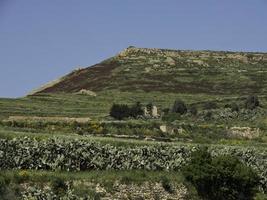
x: 151, y: 112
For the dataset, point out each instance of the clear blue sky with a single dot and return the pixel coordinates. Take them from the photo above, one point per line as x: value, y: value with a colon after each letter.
x: 42, y: 40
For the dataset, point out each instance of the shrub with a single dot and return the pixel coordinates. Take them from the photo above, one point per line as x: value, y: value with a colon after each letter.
x: 59, y: 186
x: 193, y: 110
x: 179, y: 107
x: 136, y: 110
x: 236, y: 180
x: 210, y: 105
x: 233, y: 106
x: 94, y: 128
x: 120, y: 111
x: 220, y: 178
x: 21, y: 177
x: 208, y: 115
x: 166, y: 184
x: 252, y: 102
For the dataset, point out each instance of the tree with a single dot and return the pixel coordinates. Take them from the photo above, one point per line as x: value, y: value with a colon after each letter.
x: 220, y: 178
x: 252, y: 102
x: 120, y: 111
x: 179, y: 107
x: 136, y: 110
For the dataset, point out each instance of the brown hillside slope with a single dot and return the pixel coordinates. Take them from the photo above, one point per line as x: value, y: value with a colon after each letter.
x: 213, y: 72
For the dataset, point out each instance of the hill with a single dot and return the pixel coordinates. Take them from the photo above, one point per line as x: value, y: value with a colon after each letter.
x: 174, y: 71
x: 61, y: 141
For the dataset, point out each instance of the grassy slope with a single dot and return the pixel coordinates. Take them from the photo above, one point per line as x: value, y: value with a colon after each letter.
x: 190, y: 72
x: 83, y: 105
x: 73, y: 105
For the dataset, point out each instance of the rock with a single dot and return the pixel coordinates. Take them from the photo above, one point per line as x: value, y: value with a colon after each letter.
x: 244, y: 132
x: 180, y: 130
x: 100, y: 190
x: 147, y: 69
x: 163, y: 128
x: 199, y: 62
x: 154, y: 112
x: 240, y: 57
x: 151, y: 111
x: 170, y: 61
x: 146, y: 112
x: 87, y: 92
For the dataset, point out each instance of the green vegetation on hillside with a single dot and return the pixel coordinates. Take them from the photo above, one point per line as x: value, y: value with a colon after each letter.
x: 220, y: 178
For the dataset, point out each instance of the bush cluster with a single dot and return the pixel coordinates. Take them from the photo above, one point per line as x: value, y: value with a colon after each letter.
x: 212, y: 111
x: 252, y: 102
x: 221, y: 178
x: 179, y: 107
x: 121, y: 111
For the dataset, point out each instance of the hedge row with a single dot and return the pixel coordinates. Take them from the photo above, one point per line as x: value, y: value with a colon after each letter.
x: 76, y: 155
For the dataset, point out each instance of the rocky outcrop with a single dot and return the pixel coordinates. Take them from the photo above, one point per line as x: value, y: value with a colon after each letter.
x: 244, y: 132
x: 87, y: 92
x: 241, y: 56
